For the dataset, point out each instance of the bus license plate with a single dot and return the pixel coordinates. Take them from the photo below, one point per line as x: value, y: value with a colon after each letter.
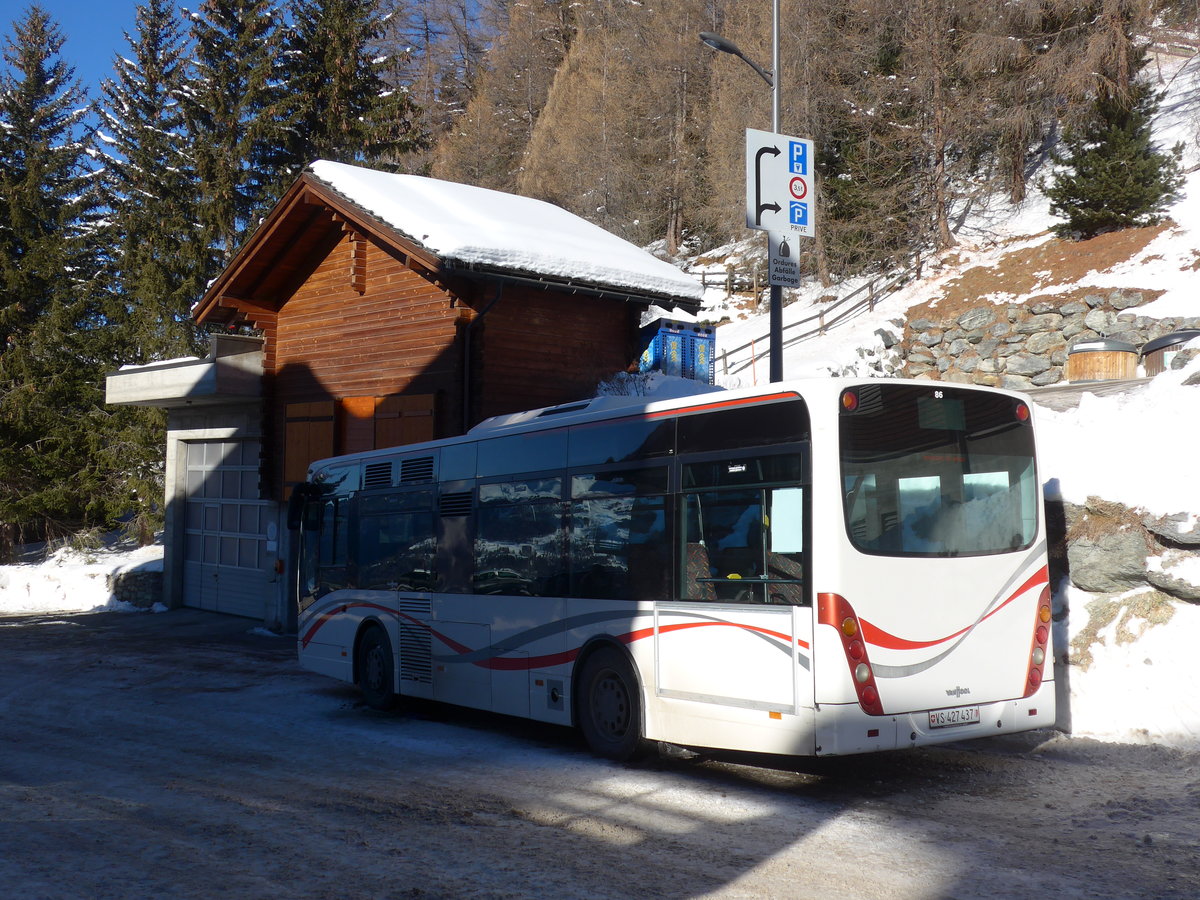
x: 961, y: 715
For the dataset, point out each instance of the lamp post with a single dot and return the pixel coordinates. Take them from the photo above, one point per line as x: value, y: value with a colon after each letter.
x: 772, y: 78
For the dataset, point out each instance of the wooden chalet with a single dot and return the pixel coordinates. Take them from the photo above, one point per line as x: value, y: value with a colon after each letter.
x: 357, y: 318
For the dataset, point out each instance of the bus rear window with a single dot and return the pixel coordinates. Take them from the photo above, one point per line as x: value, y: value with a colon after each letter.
x: 937, y: 471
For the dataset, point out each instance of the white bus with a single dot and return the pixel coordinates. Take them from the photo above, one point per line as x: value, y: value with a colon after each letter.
x: 818, y: 568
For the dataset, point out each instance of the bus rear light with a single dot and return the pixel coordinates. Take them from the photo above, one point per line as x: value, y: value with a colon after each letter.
x: 1041, y: 639
x: 1022, y: 412
x: 849, y: 401
x: 835, y: 611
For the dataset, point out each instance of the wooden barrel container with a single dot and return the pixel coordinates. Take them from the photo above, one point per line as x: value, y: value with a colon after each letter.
x: 1102, y: 360
x: 1157, y: 354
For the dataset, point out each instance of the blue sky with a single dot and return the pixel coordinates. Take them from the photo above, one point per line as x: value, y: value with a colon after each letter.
x: 94, y: 32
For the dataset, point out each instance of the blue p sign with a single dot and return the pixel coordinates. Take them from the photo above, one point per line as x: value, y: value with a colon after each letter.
x: 798, y: 158
x: 798, y: 213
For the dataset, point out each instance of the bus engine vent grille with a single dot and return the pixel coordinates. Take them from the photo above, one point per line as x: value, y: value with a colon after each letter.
x: 377, y: 474
x: 416, y: 643
x: 416, y: 470
x: 457, y: 504
x: 416, y: 654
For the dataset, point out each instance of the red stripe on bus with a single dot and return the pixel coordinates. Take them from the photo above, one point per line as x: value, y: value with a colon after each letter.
x: 324, y: 617
x: 721, y: 404
x: 510, y: 664
x: 501, y: 663
x: 877, y: 637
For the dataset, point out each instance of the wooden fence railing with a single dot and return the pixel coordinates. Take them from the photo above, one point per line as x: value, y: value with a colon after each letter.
x: 826, y: 316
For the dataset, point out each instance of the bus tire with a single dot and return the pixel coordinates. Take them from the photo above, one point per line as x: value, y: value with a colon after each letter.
x: 609, y: 705
x: 373, y: 664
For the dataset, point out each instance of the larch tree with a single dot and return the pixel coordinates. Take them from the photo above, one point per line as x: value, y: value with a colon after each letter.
x: 940, y: 116
x: 437, y: 49
x: 618, y: 139
x: 486, y: 145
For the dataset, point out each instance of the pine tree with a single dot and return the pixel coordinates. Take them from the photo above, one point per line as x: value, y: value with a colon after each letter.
x: 52, y: 424
x: 1112, y: 175
x: 155, y: 256
x: 237, y: 113
x: 155, y: 269
x: 345, y: 111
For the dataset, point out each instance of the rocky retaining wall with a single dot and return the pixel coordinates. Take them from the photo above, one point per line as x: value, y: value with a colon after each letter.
x: 1022, y: 346
x: 141, y: 589
x: 1108, y: 548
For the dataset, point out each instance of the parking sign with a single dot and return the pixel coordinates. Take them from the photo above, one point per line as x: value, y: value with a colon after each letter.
x: 780, y: 188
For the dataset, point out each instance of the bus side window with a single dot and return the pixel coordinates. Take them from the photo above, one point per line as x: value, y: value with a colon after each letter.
x: 619, y: 542
x: 395, y: 552
x: 724, y: 557
x: 619, y: 548
x: 519, y: 539
x: 744, y: 546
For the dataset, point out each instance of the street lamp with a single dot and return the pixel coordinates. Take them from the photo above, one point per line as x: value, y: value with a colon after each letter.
x: 772, y: 78
x: 727, y: 46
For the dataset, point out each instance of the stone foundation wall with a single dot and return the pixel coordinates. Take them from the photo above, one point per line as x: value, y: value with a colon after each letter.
x: 141, y: 589
x: 1018, y: 346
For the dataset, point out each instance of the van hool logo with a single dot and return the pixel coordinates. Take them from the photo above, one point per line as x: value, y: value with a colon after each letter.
x: 957, y: 691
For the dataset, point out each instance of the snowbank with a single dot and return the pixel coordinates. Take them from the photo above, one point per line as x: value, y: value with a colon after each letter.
x: 72, y: 581
x: 1138, y: 449
x: 1140, y: 684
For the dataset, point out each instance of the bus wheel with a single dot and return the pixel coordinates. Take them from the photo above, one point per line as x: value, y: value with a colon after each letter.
x: 610, y: 714
x: 374, y: 666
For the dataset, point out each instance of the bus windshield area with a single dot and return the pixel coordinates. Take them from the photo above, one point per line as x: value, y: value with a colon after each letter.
x: 937, y: 471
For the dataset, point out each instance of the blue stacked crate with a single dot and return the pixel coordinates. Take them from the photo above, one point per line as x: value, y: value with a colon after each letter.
x: 683, y: 349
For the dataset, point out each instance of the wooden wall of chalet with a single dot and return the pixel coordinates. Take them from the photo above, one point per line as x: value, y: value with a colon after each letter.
x: 362, y: 355
x: 367, y: 353
x: 541, y: 348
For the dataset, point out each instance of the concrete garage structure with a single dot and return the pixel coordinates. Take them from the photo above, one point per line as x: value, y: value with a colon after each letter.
x: 371, y: 310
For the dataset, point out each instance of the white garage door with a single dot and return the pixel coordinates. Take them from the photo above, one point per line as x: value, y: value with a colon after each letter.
x: 225, y: 561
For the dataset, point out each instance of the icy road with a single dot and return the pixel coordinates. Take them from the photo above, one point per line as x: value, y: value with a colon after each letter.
x: 181, y: 755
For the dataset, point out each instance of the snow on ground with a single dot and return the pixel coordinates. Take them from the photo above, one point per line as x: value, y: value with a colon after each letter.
x: 73, y: 581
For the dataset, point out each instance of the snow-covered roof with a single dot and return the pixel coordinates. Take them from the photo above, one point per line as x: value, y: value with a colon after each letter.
x: 490, y: 230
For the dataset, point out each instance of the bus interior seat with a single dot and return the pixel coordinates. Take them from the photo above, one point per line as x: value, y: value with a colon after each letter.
x: 698, y: 568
